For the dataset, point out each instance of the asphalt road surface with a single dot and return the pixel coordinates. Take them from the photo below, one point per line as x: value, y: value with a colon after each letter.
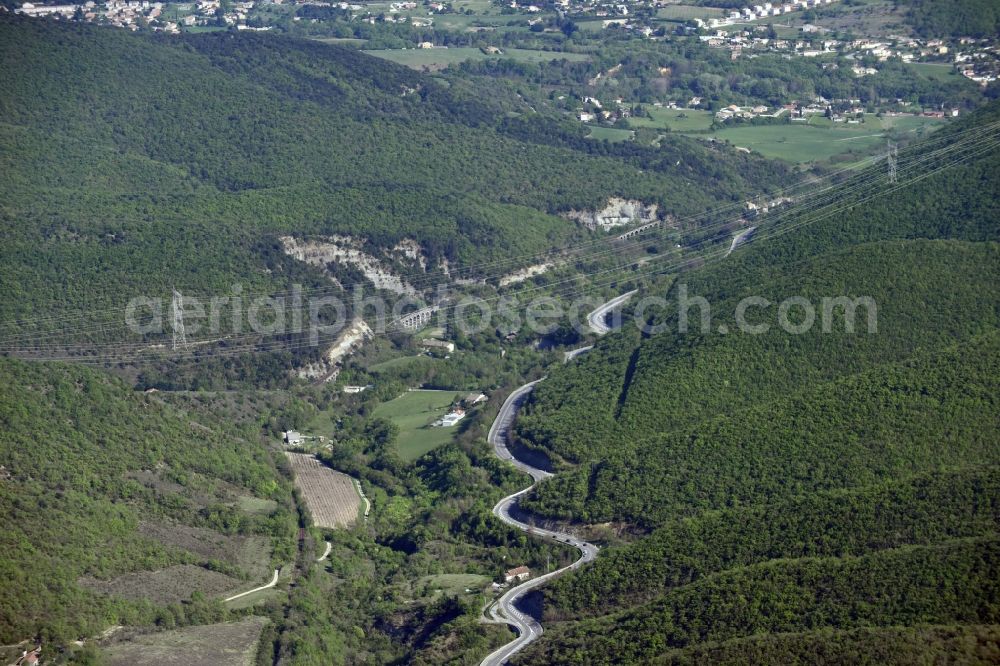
x: 740, y: 238
x: 596, y: 319
x: 504, y: 610
x: 573, y: 353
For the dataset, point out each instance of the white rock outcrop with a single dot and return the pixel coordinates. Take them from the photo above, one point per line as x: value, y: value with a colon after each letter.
x: 617, y: 213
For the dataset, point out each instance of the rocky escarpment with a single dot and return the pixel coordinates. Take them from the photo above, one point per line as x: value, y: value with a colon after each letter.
x: 617, y: 213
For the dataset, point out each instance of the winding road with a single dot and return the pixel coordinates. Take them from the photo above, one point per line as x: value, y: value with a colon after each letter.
x: 573, y: 353
x: 596, y: 319
x: 504, y: 610
x: 740, y: 238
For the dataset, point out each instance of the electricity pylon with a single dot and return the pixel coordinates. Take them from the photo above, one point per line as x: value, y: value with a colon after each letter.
x: 177, y: 310
x: 892, y: 155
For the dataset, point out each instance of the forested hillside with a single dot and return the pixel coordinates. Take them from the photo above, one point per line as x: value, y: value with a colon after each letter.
x: 182, y: 159
x: 954, y: 583
x: 923, y: 509
x: 875, y: 646
x: 796, y: 488
x: 954, y: 18
x: 118, y: 509
x: 829, y: 494
x: 935, y: 408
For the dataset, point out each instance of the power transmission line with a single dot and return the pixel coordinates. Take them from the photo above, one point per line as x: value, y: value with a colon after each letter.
x: 833, y: 194
x: 72, y: 322
x: 892, y: 156
x: 177, y: 321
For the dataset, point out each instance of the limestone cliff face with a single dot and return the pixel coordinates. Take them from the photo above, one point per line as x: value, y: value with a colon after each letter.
x: 341, y: 249
x: 350, y: 339
x: 617, y: 213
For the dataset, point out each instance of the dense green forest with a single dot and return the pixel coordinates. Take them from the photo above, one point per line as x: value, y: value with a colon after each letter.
x: 953, y: 583
x: 144, y: 509
x: 373, y: 598
x: 937, y: 408
x: 186, y: 163
x: 764, y: 473
x: 877, y: 252
x: 881, y: 646
x: 954, y: 18
x: 923, y: 509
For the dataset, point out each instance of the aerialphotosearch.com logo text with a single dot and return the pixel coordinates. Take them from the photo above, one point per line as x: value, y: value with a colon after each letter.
x: 796, y: 315
x: 320, y: 315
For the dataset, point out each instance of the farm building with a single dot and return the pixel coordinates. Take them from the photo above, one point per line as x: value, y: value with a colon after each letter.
x: 431, y: 343
x: 474, y: 399
x: 451, y: 418
x: 518, y: 573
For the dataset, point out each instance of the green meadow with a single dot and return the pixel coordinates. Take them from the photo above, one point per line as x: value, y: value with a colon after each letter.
x: 413, y: 412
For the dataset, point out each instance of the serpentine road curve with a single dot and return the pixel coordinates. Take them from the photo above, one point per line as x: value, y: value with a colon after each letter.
x: 740, y: 239
x: 504, y: 611
x: 596, y: 318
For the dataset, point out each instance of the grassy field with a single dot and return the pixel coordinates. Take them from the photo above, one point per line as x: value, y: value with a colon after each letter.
x: 877, y: 18
x: 252, y: 554
x: 609, y: 133
x: 342, y: 41
x: 934, y: 71
x: 259, y: 597
x: 676, y: 120
x: 324, y: 423
x: 225, y: 644
x: 590, y: 26
x: 413, y: 412
x: 439, y: 58
x: 465, y: 23
x: 450, y: 585
x: 256, y: 505
x: 687, y: 12
x: 175, y: 11
x: 801, y: 143
x: 822, y: 139
x: 480, y: 7
x: 203, y: 28
x: 401, y: 362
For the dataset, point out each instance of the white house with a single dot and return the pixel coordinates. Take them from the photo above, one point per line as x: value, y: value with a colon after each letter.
x: 450, y: 419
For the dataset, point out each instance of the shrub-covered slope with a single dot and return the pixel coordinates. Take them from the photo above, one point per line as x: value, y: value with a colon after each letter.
x: 100, y: 481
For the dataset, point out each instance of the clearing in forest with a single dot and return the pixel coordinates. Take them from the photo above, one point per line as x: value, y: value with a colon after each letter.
x: 329, y: 495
